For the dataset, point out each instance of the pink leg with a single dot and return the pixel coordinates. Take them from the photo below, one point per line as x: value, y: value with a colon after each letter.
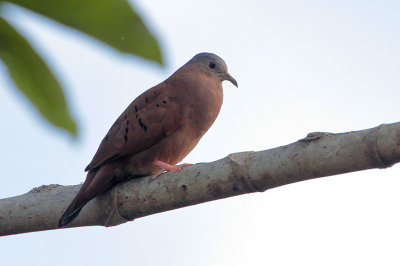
x: 165, y: 167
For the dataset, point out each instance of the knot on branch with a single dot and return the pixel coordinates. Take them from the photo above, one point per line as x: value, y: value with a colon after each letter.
x: 379, y: 143
x: 241, y: 170
x: 114, y: 215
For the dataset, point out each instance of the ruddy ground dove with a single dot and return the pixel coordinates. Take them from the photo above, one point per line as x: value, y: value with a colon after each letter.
x: 157, y: 130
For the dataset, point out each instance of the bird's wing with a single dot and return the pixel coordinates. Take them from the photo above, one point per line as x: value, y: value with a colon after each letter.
x: 148, y: 119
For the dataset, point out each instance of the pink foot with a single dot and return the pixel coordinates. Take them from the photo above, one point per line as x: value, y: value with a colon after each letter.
x: 165, y: 167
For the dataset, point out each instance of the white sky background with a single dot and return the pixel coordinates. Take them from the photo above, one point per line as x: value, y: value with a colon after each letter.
x: 302, y: 66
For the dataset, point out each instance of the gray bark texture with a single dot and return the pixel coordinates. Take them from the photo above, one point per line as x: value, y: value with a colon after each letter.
x: 318, y: 155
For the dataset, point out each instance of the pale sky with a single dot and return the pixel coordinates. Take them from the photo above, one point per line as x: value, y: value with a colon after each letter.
x: 302, y: 66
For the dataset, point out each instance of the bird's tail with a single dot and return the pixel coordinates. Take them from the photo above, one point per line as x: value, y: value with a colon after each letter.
x: 69, y: 215
x: 79, y: 201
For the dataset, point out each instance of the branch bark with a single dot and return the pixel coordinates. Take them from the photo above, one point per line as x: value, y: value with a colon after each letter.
x: 317, y: 155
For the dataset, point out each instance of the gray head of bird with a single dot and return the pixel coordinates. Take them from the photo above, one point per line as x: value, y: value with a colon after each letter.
x: 213, y: 65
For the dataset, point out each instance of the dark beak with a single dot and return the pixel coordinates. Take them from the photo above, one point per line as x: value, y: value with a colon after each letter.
x: 228, y: 77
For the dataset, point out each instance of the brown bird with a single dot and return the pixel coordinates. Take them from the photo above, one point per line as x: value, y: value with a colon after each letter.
x: 157, y: 130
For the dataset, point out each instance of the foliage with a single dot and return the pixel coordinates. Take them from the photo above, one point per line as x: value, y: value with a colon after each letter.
x: 113, y: 22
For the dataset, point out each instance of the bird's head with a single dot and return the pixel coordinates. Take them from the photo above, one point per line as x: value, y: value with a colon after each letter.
x: 213, y: 65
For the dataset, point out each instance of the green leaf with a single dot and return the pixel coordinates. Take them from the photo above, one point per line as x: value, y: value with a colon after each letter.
x: 33, y: 78
x: 111, y: 21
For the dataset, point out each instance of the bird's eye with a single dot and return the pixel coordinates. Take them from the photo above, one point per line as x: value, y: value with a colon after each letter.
x: 211, y: 65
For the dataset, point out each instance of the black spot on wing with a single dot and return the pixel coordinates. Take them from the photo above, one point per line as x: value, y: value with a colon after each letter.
x: 126, y: 134
x: 142, y: 125
x: 126, y: 131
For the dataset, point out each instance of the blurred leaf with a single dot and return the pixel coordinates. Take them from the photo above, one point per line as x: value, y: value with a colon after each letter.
x: 34, y: 78
x: 111, y: 21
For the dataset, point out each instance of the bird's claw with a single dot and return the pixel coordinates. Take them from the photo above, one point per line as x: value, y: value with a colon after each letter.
x: 165, y: 167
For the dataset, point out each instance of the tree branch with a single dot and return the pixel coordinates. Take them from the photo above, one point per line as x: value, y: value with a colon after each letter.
x: 317, y: 155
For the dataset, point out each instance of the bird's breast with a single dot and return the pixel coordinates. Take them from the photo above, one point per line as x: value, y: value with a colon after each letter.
x: 201, y: 102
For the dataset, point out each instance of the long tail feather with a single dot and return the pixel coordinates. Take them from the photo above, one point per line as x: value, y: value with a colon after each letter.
x: 68, y: 216
x: 79, y: 201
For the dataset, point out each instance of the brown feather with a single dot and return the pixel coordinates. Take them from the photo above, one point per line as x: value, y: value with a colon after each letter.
x: 164, y: 123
